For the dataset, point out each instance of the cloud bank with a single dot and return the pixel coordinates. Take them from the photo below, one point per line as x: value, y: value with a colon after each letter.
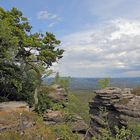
x: 111, y: 49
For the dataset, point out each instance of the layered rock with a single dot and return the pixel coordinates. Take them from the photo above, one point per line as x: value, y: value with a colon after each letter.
x: 14, y: 106
x: 54, y: 117
x: 113, y: 107
x: 59, y: 96
x: 57, y: 93
x: 78, y: 126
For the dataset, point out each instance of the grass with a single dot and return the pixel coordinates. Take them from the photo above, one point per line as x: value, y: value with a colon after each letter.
x: 124, y: 101
x: 38, y: 131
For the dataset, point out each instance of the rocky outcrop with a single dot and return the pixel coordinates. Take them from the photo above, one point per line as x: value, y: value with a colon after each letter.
x: 54, y: 117
x: 78, y: 126
x: 59, y: 96
x: 57, y: 93
x: 113, y: 107
x: 15, y: 121
x: 14, y: 106
x: 13, y: 118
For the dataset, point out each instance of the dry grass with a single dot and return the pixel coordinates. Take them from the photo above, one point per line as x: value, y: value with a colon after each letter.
x: 136, y: 91
x: 38, y: 131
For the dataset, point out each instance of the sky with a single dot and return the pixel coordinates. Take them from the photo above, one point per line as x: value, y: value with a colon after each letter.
x: 101, y: 38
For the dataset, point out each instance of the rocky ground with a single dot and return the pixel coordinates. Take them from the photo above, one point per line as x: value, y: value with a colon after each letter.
x: 110, y: 107
x: 16, y: 116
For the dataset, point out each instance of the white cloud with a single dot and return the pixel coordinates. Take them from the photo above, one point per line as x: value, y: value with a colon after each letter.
x: 110, y: 50
x: 53, y: 19
x: 44, y: 15
x: 52, y: 24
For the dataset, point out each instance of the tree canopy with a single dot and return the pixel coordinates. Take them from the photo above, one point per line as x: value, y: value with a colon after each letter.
x: 24, y: 56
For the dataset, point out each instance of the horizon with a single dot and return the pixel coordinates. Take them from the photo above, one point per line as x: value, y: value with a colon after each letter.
x: 94, y: 77
x: 100, y: 38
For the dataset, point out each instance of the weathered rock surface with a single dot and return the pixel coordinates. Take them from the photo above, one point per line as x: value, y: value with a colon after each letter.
x: 113, y: 106
x: 13, y: 106
x: 78, y: 125
x: 57, y: 93
x: 54, y: 117
x: 15, y: 121
x: 11, y: 117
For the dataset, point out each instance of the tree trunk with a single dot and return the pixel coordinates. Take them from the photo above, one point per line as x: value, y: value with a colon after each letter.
x: 37, y: 89
x: 38, y: 85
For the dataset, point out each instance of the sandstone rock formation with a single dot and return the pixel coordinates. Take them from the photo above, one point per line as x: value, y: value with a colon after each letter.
x: 12, y: 117
x: 78, y: 126
x: 113, y: 107
x: 14, y: 106
x: 57, y: 93
x: 54, y: 117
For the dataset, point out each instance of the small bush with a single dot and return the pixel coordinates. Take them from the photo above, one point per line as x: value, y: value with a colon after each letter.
x: 44, y: 102
x: 136, y: 91
x: 103, y: 83
x: 64, y: 132
x: 121, y: 134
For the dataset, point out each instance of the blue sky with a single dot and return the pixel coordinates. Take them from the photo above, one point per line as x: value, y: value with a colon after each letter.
x: 100, y: 37
x: 71, y: 16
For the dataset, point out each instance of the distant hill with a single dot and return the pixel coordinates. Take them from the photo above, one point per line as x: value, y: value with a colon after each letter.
x: 92, y: 83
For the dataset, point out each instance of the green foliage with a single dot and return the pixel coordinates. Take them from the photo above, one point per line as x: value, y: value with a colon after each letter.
x: 64, y: 82
x: 121, y: 134
x: 44, y: 102
x: 64, y: 132
x: 78, y: 103
x: 57, y: 106
x: 103, y: 83
x: 21, y: 69
x: 134, y: 126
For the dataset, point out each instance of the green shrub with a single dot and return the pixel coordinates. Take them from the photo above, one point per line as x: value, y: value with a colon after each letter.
x: 103, y: 83
x: 121, y: 134
x: 64, y: 81
x: 64, y: 132
x: 44, y: 102
x: 78, y: 103
x: 134, y: 126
